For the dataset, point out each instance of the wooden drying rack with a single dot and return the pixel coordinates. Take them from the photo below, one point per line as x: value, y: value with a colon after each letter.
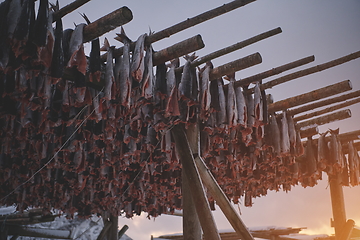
x: 195, y: 170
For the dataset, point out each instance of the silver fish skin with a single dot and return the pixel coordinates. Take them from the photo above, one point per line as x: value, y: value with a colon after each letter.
x: 185, y: 85
x: 221, y: 115
x: 76, y: 40
x: 291, y: 132
x: 170, y: 76
x: 109, y: 72
x: 137, y: 64
x: 125, y: 80
x: 205, y: 95
x: 258, y: 108
x: 276, y: 136
x: 322, y: 153
x: 13, y: 16
x: 335, y: 149
x: 232, y: 110
x: 241, y: 107
x: 299, y: 150
x: 285, y: 141
x: 76, y: 50
x: 148, y: 84
x: 250, y: 110
x: 354, y: 164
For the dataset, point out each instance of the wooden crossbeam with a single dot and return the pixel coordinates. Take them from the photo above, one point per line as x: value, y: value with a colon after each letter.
x: 310, y: 96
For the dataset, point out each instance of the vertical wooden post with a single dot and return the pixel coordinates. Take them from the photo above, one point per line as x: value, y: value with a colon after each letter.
x: 338, y: 205
x: 191, y: 223
x: 197, y: 190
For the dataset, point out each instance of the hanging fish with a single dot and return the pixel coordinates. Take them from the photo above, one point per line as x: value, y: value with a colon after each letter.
x: 125, y: 81
x: 335, y: 150
x: 76, y: 50
x: 24, y: 27
x: 41, y: 23
x: 147, y: 85
x: 57, y: 63
x: 310, y: 158
x: 221, y: 114
x: 94, y: 60
x: 275, y: 134
x: 205, y: 96
x: 186, y: 88
x: 354, y: 164
x: 284, y: 130
x: 172, y: 104
x: 45, y: 52
x: 160, y: 84
x: 323, y: 152
x: 232, y: 110
x: 66, y: 44
x: 258, y: 106
x: 291, y: 133
x: 299, y: 150
x: 137, y: 64
x: 109, y: 72
x: 242, y: 111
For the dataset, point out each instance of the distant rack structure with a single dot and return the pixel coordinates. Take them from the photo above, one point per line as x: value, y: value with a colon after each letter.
x: 124, y: 133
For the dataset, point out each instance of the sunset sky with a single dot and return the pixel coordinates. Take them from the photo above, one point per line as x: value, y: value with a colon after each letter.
x: 327, y: 29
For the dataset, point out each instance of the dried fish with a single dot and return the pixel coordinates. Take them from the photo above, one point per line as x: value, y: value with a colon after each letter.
x: 125, y: 81
x: 137, y: 64
x: 354, y: 164
x: 275, y: 134
x: 258, y: 106
x: 76, y: 50
x: 147, y: 85
x: 109, y: 72
x: 57, y: 63
x: 291, y: 133
x: 41, y: 24
x: 242, y: 110
x: 285, y: 140
x: 232, y: 110
x: 172, y: 104
x: 335, y: 152
x: 221, y: 114
x: 205, y: 96
x: 311, y: 163
x: 323, y: 152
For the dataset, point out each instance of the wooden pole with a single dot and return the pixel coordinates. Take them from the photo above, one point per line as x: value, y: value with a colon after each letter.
x: 310, y: 96
x: 337, y: 203
x: 325, y: 102
x: 235, y: 47
x: 190, y: 220
x: 311, y: 70
x: 122, y: 231
x: 112, y: 233
x: 190, y: 22
x: 274, y: 71
x: 221, y: 199
x: 179, y: 49
x: 347, y: 230
x: 346, y: 137
x: 104, y: 231
x: 68, y: 9
x: 107, y: 23
x: 235, y: 66
x: 340, y: 115
x: 308, y: 132
x: 327, y: 110
x: 197, y: 190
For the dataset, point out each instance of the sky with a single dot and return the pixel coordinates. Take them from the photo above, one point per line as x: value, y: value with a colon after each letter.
x: 327, y: 29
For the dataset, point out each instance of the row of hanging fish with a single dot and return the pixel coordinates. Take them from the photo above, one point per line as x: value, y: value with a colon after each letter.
x: 111, y: 150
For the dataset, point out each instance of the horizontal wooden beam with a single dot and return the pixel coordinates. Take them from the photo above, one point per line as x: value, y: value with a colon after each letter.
x: 235, y: 66
x: 340, y: 115
x: 274, y: 71
x: 190, y: 22
x: 107, y: 23
x: 311, y: 70
x: 322, y: 103
x: 308, y: 132
x: 179, y: 49
x: 310, y: 96
x: 327, y: 110
x: 68, y: 9
x: 19, y: 230
x: 235, y: 47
